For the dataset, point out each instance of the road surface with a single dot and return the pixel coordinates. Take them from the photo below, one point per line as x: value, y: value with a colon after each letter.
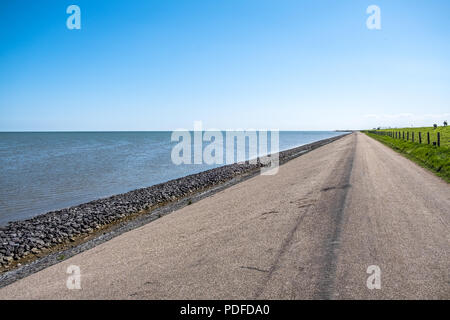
x: 309, y: 232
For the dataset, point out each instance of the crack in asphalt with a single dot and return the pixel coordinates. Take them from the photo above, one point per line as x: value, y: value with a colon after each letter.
x: 254, y: 268
x: 287, y: 242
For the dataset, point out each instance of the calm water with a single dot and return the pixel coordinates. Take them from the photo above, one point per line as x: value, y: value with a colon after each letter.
x: 40, y: 172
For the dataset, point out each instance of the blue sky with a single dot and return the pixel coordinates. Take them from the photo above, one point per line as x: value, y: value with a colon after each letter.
x: 161, y: 65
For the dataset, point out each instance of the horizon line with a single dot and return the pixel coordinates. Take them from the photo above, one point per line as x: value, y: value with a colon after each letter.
x: 107, y: 131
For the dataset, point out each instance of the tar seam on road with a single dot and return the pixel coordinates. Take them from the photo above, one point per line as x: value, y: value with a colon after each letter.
x: 328, y: 274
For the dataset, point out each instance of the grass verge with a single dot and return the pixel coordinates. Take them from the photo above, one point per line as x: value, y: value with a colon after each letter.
x: 444, y: 131
x: 433, y: 158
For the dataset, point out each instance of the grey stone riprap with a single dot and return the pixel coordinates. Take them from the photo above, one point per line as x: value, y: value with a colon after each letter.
x: 19, y: 239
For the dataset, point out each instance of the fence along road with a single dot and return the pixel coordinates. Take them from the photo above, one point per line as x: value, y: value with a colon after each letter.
x: 436, y: 141
x: 311, y: 231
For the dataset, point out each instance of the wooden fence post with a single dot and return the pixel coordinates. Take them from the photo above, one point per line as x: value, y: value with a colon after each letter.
x: 428, y: 137
x: 439, y: 139
x: 420, y: 137
x: 413, y: 136
x: 403, y: 135
x: 407, y: 136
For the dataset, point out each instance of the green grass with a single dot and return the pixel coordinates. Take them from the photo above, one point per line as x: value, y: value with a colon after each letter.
x: 436, y: 159
x: 444, y: 131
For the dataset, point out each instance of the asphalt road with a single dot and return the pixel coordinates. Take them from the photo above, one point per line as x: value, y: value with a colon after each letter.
x: 309, y: 232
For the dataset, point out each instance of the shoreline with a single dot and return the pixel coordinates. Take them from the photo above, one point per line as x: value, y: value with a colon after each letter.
x: 31, y: 245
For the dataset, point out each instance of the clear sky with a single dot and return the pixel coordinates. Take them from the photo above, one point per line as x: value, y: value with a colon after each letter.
x: 263, y: 64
